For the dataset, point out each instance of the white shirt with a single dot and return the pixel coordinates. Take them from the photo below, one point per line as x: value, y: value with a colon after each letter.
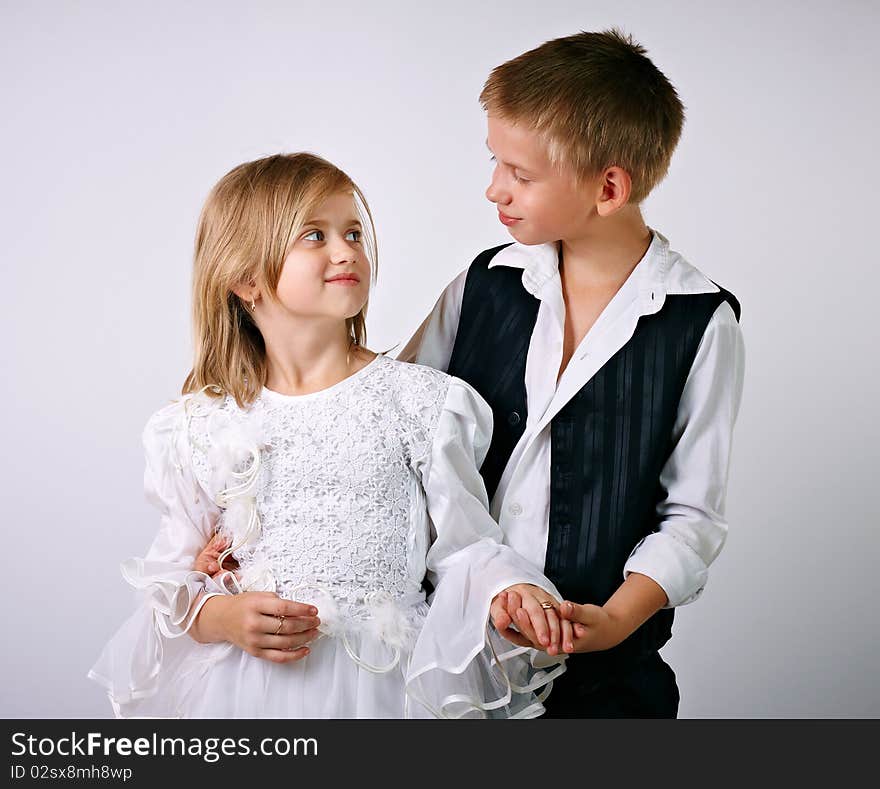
x: 691, y: 523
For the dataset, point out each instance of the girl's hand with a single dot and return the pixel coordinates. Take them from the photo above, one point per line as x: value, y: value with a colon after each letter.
x: 208, y: 560
x: 537, y: 625
x: 261, y: 623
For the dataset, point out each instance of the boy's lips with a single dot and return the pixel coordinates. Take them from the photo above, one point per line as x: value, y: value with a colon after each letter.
x: 507, y: 220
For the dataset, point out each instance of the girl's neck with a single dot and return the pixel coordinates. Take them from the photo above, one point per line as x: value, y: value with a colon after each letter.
x: 308, y: 361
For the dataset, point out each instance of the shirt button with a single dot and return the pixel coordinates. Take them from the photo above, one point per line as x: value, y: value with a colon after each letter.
x: 513, y: 419
x: 515, y: 510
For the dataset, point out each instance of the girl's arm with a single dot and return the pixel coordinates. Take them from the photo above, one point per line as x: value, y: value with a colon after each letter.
x: 171, y: 593
x: 469, y: 565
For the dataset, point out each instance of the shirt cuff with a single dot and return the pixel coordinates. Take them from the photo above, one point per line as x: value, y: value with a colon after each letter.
x: 676, y: 567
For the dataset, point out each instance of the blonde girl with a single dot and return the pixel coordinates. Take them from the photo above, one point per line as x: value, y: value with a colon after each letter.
x: 341, y: 481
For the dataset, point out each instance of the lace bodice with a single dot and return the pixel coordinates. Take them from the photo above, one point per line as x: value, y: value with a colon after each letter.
x: 331, y: 483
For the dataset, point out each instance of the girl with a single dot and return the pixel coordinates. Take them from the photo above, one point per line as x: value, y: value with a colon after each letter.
x: 340, y: 478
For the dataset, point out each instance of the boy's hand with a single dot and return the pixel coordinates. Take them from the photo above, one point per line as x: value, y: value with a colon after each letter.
x: 589, y: 628
x: 208, y: 560
x: 534, y: 613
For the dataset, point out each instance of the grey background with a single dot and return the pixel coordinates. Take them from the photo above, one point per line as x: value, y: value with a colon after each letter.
x: 117, y: 119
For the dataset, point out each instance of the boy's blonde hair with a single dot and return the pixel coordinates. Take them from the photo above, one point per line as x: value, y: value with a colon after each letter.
x: 597, y: 100
x: 248, y: 223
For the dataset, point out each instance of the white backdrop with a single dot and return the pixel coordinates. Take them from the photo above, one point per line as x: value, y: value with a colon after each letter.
x: 118, y: 118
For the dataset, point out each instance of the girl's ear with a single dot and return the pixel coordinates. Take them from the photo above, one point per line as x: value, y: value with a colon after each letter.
x: 248, y: 292
x: 244, y: 292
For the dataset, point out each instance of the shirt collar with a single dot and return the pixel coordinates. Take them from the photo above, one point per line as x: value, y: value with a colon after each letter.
x: 660, y: 272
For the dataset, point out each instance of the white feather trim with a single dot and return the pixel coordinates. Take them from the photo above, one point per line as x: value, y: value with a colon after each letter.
x: 389, y: 622
x: 239, y: 523
x: 332, y: 621
x: 258, y: 577
x: 234, y: 456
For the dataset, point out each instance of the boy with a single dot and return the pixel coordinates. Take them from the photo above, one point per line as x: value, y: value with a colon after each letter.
x: 613, y: 367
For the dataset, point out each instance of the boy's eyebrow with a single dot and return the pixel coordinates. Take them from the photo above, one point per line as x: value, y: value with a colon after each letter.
x: 512, y: 164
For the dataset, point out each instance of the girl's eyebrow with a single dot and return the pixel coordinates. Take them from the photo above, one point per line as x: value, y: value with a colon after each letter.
x: 317, y: 221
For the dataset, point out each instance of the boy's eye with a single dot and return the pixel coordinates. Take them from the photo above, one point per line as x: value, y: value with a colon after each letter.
x: 492, y: 158
x: 356, y: 236
x: 314, y: 235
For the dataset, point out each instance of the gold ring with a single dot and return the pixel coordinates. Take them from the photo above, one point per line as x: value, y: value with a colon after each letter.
x: 280, y: 622
x: 546, y: 604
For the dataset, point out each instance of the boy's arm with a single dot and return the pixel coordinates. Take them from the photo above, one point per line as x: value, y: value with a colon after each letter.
x: 670, y: 566
x: 594, y: 627
x: 432, y: 342
x: 691, y: 524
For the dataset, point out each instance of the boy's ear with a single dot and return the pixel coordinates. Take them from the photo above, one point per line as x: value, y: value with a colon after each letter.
x: 615, y: 189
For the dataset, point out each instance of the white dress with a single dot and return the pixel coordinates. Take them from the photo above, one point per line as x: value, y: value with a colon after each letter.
x: 347, y: 499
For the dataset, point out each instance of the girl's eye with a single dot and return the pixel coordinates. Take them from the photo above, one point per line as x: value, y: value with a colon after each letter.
x: 353, y: 235
x: 314, y: 235
x: 519, y: 179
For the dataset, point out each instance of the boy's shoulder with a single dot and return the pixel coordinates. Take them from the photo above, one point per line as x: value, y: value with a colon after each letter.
x: 680, y: 277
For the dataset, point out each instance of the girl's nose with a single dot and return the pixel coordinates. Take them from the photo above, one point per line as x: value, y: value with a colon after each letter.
x: 343, y: 252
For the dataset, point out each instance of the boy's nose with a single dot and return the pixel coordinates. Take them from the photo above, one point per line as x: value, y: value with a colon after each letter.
x: 495, y: 194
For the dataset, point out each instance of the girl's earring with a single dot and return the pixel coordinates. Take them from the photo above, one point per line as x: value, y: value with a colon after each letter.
x: 253, y: 305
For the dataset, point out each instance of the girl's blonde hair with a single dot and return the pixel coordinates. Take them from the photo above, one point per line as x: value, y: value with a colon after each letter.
x: 248, y: 223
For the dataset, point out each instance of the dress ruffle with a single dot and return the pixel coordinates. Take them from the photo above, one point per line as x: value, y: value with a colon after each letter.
x: 461, y: 666
x: 152, y: 656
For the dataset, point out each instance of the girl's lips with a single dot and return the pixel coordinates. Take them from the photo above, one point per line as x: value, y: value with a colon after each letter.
x: 344, y: 279
x: 507, y: 220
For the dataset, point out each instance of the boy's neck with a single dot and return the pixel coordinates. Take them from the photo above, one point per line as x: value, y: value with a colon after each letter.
x: 607, y: 252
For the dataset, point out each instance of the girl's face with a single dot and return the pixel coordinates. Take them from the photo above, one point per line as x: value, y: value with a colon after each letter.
x: 326, y: 273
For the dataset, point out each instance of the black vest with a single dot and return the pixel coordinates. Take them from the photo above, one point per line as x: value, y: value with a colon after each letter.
x: 609, y: 443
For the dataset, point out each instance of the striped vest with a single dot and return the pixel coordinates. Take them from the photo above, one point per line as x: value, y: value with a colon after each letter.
x: 609, y: 443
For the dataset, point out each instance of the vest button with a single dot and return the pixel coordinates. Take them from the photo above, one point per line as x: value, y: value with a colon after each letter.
x: 515, y: 509
x: 513, y: 419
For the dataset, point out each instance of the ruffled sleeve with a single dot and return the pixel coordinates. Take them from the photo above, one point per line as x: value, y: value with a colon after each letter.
x: 149, y: 641
x: 460, y: 666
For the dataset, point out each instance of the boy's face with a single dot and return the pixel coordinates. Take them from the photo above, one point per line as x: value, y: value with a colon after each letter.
x: 536, y: 201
